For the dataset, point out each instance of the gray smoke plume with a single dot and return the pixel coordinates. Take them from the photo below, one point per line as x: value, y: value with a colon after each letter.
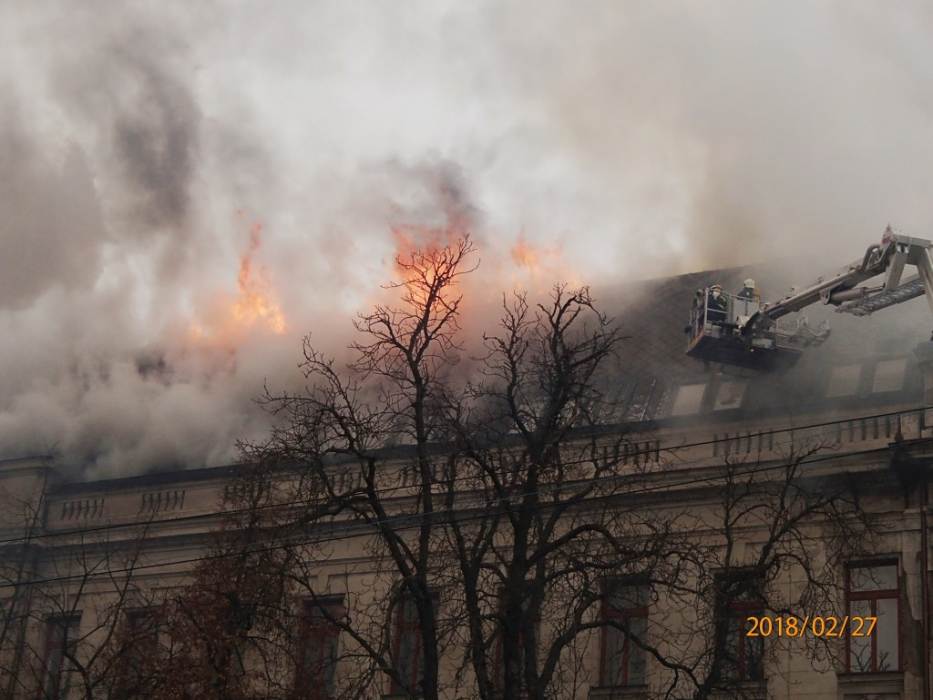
x: 141, y: 145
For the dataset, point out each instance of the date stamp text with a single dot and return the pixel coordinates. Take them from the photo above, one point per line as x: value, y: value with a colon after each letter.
x: 828, y: 627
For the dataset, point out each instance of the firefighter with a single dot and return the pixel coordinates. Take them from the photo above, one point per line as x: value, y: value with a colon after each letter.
x: 749, y: 291
x: 716, y: 306
x: 696, y: 314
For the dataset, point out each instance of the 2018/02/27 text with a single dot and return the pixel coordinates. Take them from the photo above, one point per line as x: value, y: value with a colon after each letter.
x: 828, y: 627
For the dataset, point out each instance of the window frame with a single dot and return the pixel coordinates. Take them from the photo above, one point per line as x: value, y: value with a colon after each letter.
x: 608, y: 613
x: 498, y: 661
x: 721, y: 385
x: 703, y: 389
x: 857, y: 381
x: 55, y: 625
x: 905, y: 365
x: 318, y: 628
x: 143, y: 624
x: 737, y: 611
x: 141, y: 638
x: 873, y: 597
x: 399, y: 626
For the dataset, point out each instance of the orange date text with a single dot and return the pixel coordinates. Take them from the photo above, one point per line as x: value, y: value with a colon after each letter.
x: 825, y: 627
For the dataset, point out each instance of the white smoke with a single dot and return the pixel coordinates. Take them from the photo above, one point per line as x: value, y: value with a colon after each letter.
x: 638, y: 139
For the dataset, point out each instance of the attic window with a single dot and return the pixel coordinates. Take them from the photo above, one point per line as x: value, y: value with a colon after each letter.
x: 688, y: 399
x: 730, y: 395
x: 844, y: 381
x: 889, y: 375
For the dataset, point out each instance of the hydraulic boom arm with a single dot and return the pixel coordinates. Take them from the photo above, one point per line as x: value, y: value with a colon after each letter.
x: 888, y: 258
x: 739, y: 330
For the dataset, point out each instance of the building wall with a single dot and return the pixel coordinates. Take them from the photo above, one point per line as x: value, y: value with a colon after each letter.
x: 47, y: 522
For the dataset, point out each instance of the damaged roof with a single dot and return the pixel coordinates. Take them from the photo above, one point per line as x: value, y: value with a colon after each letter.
x: 866, y: 362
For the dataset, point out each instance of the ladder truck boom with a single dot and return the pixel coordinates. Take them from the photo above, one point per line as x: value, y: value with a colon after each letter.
x: 749, y: 334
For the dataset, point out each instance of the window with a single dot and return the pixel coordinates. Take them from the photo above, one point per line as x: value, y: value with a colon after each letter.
x: 844, y: 381
x: 889, y: 375
x: 688, y: 399
x: 625, y: 610
x: 742, y: 656
x: 142, y: 627
x: 730, y: 395
x: 61, y: 642
x: 497, y: 677
x: 407, y: 653
x: 873, y: 591
x: 140, y: 645
x: 315, y: 676
x: 639, y: 400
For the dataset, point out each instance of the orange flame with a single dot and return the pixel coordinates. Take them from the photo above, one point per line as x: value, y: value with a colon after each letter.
x: 526, y: 266
x: 534, y: 258
x: 255, y: 305
x: 524, y: 254
x: 256, y: 302
x: 423, y: 239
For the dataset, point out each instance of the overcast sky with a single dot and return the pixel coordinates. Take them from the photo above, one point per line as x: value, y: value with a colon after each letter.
x: 142, y: 145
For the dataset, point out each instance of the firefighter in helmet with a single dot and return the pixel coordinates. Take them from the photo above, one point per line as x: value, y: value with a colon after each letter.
x: 749, y: 291
x: 716, y: 305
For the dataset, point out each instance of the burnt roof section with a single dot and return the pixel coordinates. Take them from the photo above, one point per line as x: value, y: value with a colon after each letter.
x: 157, y: 478
x: 653, y: 365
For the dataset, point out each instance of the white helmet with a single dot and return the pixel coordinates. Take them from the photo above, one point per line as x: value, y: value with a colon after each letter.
x: 749, y: 283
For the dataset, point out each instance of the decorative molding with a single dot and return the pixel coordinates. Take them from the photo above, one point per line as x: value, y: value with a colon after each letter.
x: 83, y: 508
x: 162, y: 501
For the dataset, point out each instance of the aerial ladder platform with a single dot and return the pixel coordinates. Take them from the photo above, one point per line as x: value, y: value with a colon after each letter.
x: 741, y: 330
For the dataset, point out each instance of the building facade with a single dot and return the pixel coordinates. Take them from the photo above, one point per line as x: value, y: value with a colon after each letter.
x: 855, y: 414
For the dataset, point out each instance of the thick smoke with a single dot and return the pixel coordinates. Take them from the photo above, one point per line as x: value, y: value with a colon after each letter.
x: 140, y: 145
x: 53, y: 229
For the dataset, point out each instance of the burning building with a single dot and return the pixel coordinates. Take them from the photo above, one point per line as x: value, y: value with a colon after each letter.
x: 795, y: 499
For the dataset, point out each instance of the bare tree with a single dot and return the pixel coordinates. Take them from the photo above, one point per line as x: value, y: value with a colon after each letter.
x: 227, y: 633
x: 537, y: 515
x: 342, y: 432
x: 508, y: 514
x: 17, y: 565
x: 73, y: 632
x: 769, y: 536
x: 484, y: 506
